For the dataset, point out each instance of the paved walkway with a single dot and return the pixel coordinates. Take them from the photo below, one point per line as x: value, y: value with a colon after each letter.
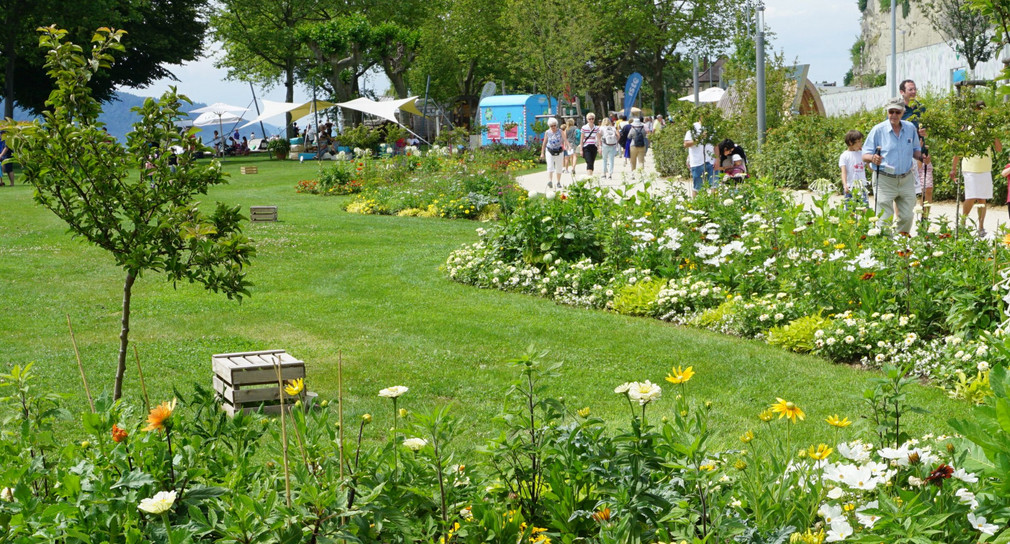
x: 537, y: 183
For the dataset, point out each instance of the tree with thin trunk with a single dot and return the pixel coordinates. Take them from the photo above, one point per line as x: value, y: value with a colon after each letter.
x: 136, y: 202
x: 968, y: 32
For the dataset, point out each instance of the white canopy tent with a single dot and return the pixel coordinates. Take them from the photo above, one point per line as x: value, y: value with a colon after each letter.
x: 273, y: 109
x: 708, y: 96
x: 385, y: 109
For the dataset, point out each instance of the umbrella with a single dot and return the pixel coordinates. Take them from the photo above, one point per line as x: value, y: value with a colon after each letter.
x: 218, y: 111
x: 711, y: 94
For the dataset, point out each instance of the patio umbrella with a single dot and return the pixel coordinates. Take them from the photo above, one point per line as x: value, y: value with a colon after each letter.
x: 709, y: 95
x: 218, y: 111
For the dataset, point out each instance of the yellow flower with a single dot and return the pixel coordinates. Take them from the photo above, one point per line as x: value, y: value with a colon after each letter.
x: 680, y: 375
x: 840, y: 423
x: 766, y: 416
x: 707, y: 467
x: 1006, y: 239
x: 839, y: 246
x: 583, y: 412
x: 294, y: 387
x: 787, y: 409
x: 747, y: 437
x: 159, y: 416
x: 821, y: 452
x: 740, y: 464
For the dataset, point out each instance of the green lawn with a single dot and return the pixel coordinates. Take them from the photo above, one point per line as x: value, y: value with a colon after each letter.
x: 369, y: 287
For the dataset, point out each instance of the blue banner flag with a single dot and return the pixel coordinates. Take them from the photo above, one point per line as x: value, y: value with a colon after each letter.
x: 631, y: 92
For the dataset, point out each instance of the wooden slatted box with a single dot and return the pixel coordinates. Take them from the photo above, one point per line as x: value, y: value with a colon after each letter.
x: 249, y: 169
x: 262, y: 213
x: 246, y: 381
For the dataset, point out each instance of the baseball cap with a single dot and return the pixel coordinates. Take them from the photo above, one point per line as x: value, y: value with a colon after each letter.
x: 896, y: 103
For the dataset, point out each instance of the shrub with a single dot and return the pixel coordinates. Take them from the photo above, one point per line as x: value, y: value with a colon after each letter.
x: 338, y: 180
x: 799, y: 334
x: 638, y: 299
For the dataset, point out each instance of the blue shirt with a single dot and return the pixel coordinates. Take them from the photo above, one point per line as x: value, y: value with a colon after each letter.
x: 897, y: 151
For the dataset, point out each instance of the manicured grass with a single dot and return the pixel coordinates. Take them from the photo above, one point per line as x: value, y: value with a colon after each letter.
x: 369, y: 288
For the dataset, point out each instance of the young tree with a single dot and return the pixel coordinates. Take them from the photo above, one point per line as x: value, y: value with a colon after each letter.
x: 969, y: 32
x: 148, y: 221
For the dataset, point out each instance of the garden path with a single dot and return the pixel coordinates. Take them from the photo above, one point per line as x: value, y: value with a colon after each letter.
x: 536, y: 182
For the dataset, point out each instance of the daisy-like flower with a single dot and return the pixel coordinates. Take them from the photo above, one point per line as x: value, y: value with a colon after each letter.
x: 118, y: 433
x: 624, y: 388
x: 583, y: 413
x: 964, y: 476
x: 645, y: 392
x: 161, y: 502
x: 840, y: 423
x: 680, y: 375
x: 393, y: 392
x: 867, y: 520
x: 294, y: 387
x: 415, y: 444
x: 747, y: 437
x: 766, y: 416
x: 822, y: 451
x: 979, y: 523
x: 160, y: 416
x: 787, y: 409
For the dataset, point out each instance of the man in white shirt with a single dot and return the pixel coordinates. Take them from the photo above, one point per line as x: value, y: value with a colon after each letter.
x: 699, y: 158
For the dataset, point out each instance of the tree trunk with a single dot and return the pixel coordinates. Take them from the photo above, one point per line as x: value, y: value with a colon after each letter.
x: 289, y: 96
x: 658, y: 86
x: 124, y: 335
x: 10, y: 58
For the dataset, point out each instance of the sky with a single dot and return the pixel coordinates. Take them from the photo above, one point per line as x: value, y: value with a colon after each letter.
x: 815, y: 32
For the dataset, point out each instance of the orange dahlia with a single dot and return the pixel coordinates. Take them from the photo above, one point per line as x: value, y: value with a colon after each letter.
x: 159, y: 416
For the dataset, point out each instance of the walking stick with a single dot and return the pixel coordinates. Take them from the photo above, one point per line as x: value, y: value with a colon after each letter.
x: 876, y: 184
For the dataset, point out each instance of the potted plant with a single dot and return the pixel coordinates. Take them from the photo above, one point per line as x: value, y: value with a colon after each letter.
x: 279, y: 147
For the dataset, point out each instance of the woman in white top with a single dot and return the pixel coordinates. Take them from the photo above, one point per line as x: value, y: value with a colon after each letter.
x: 590, y: 142
x: 609, y: 139
x: 553, y: 150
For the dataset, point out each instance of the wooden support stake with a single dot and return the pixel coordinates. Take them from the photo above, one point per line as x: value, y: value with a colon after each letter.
x: 143, y: 386
x: 340, y: 410
x: 80, y: 366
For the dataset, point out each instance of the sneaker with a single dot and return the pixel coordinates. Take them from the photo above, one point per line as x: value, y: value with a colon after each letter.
x: 982, y: 233
x: 550, y: 185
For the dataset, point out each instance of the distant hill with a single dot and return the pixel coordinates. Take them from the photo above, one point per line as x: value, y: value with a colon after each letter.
x: 119, y: 118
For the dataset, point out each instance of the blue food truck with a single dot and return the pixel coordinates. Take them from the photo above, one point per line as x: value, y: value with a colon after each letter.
x: 509, y: 117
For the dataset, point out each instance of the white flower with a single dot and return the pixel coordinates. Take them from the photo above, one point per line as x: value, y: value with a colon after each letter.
x: 799, y: 229
x: 7, y: 494
x: 161, y: 502
x: 415, y: 444
x: 873, y: 232
x: 966, y: 497
x: 466, y: 514
x: 914, y: 482
x: 980, y: 524
x: 624, y: 388
x: 835, y: 493
x: 938, y: 253
x: 393, y: 392
x: 849, y: 339
x: 982, y: 366
x: 933, y: 228
x: 867, y: 520
x: 903, y: 320
x: 728, y: 202
x: 645, y: 392
x: 840, y: 530
x: 964, y: 476
x: 831, y: 513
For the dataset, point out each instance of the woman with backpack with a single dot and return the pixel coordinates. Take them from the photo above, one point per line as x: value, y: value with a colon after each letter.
x: 553, y: 149
x: 636, y: 144
x: 609, y: 140
x: 590, y: 142
x: 572, y: 135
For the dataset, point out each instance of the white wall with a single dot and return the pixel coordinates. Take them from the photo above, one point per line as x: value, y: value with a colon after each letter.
x: 930, y: 67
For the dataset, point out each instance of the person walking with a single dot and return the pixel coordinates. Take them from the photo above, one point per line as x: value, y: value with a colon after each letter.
x: 977, y: 171
x: 609, y: 141
x: 702, y: 170
x: 552, y: 149
x: 572, y: 135
x: 637, y: 143
x: 891, y: 146
x: 590, y: 142
x: 5, y: 154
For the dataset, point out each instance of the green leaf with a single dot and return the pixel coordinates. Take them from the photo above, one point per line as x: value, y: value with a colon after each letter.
x: 134, y: 479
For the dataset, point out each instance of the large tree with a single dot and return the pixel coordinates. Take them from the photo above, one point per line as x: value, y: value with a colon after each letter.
x: 968, y: 31
x: 132, y: 202
x: 261, y: 41
x: 159, y: 32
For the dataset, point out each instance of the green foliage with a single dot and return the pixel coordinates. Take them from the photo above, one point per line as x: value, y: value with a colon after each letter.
x: 668, y: 145
x: 798, y: 334
x: 279, y: 147
x: 338, y: 179
x: 150, y: 223
x: 638, y: 299
x: 361, y: 136
x: 888, y: 401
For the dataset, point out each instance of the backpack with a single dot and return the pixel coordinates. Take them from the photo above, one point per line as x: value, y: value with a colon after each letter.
x: 625, y: 130
x: 639, y: 140
x: 609, y: 135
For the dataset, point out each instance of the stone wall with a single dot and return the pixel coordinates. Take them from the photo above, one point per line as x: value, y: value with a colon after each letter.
x: 876, y: 33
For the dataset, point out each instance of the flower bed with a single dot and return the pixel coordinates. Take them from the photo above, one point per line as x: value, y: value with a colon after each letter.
x: 750, y: 261
x: 555, y: 473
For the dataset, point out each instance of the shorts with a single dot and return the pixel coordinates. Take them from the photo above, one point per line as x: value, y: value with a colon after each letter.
x: 8, y: 167
x: 570, y: 151
x: 702, y: 174
x: 925, y: 178
x: 553, y: 162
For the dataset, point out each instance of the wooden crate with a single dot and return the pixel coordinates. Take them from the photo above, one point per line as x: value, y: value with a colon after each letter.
x: 262, y: 213
x: 246, y: 381
x: 249, y: 169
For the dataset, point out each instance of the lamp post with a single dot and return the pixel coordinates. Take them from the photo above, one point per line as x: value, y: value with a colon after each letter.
x: 894, y: 47
x: 760, y: 57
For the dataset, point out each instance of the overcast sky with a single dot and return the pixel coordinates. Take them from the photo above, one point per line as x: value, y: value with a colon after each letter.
x: 815, y: 32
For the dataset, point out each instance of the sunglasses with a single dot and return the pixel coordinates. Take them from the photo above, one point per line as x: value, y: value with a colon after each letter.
x: 895, y: 112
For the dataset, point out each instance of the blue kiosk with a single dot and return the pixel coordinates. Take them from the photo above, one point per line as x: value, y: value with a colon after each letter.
x: 509, y: 117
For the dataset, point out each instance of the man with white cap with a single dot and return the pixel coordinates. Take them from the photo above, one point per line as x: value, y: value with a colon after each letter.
x: 891, y: 146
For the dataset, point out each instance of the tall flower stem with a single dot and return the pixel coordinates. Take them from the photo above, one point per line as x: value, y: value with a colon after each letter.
x: 396, y: 453
x: 171, y: 468
x: 284, y: 433
x: 168, y: 528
